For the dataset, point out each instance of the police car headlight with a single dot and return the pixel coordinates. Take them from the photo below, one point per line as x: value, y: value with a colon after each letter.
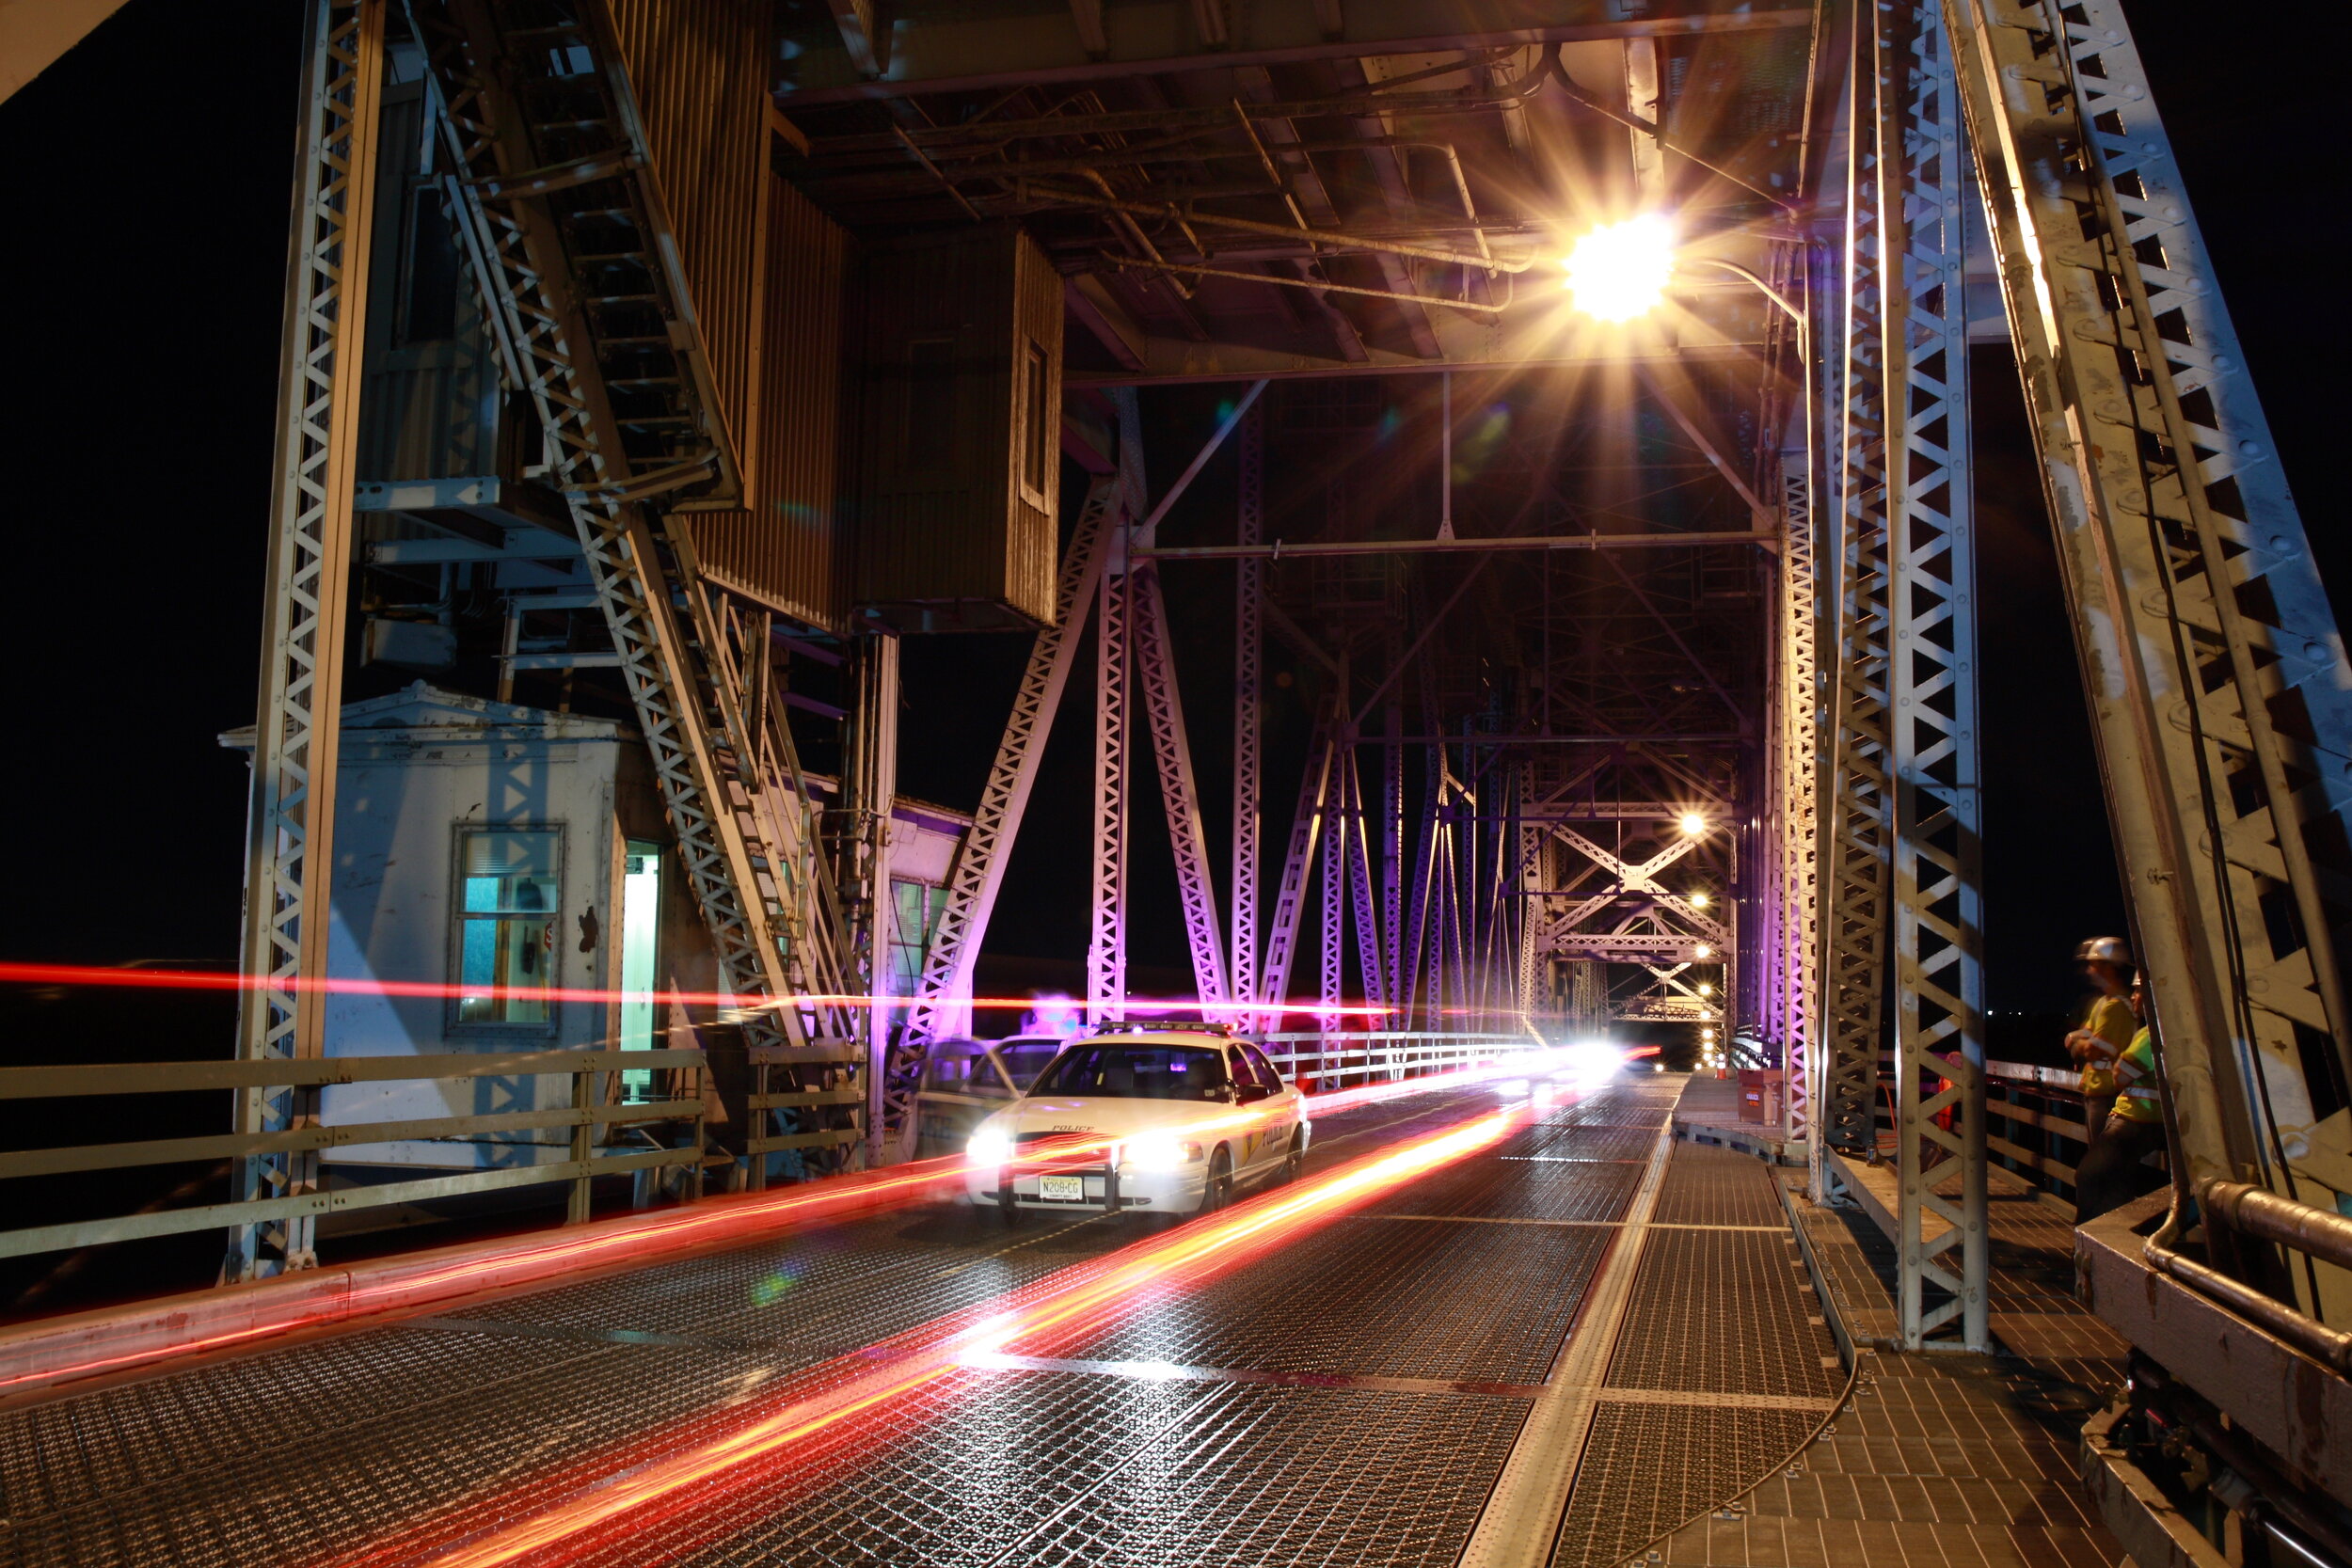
x: 1156, y: 1152
x: 989, y: 1148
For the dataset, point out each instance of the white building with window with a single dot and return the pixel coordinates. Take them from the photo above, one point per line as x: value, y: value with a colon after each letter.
x: 497, y: 868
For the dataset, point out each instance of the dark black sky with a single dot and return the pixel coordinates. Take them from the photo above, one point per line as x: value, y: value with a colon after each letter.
x: 144, y: 191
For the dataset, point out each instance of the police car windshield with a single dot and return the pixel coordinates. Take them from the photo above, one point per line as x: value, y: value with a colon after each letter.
x: 1024, y: 1059
x: 1136, y: 1072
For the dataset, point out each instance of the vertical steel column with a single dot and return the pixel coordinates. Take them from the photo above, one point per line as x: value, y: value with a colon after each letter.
x: 1106, y: 943
x: 1861, y: 818
x: 1248, y: 716
x: 291, y: 817
x: 1360, y: 896
x: 1290, y: 894
x: 1394, y: 985
x: 1334, y: 883
x: 1794, y: 898
x: 1528, y: 841
x: 870, y: 785
x: 2217, y: 677
x: 1938, y: 916
x: 1418, y: 989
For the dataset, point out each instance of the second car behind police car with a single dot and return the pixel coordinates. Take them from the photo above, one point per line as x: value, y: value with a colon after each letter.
x: 1154, y: 1120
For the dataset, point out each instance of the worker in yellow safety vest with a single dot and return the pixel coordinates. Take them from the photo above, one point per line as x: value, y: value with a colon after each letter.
x: 2115, y: 1170
x: 2107, y: 964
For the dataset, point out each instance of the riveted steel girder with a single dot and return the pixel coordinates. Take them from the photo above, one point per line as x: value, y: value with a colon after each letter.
x: 291, y: 819
x: 2217, y: 678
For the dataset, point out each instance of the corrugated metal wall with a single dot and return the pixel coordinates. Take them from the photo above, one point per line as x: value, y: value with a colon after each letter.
x: 1033, y: 540
x: 785, y: 554
x: 945, y: 536
x: 699, y: 69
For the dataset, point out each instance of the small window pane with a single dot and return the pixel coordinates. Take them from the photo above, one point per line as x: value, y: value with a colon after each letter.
x: 511, y: 895
x: 1037, y: 420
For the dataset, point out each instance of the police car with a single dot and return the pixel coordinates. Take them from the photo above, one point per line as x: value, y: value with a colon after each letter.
x: 1152, y: 1118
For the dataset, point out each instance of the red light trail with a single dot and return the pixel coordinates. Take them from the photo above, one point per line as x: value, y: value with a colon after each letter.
x: 705, y: 1461
x: 398, y: 1284
x: 438, y: 990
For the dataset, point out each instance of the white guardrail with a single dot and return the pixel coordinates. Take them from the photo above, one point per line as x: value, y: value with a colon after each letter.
x: 1337, y: 1060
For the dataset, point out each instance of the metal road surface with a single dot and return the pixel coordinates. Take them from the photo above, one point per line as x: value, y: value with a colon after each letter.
x: 1352, y: 1395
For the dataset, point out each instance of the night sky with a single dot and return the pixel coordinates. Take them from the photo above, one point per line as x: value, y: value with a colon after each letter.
x: 145, y: 193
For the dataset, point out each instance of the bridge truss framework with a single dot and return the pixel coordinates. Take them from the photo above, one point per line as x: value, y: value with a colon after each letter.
x: 1486, y: 887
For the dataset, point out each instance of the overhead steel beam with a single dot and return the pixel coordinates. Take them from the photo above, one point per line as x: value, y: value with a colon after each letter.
x: 1736, y: 335
x: 863, y: 40
x: 290, y: 816
x: 1310, y: 203
x: 1481, y: 545
x: 947, y: 51
x: 2217, y: 682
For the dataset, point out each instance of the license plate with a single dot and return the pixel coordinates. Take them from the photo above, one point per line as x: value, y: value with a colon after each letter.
x: 1061, y: 1187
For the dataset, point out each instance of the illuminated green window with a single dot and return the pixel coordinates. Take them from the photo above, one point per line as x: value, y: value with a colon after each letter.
x: 509, y: 880
x: 919, y: 908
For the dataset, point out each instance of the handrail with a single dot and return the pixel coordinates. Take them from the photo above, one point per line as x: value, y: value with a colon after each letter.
x: 80, y: 1078
x: 2024, y: 1072
x: 2261, y: 1213
x: 2331, y: 1346
x: 1399, y: 1053
x: 1517, y: 1043
x: 582, y: 1118
x: 2038, y: 1105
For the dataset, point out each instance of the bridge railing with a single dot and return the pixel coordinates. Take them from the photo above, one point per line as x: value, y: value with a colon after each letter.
x: 1347, y: 1059
x: 2036, y: 1124
x: 582, y: 1161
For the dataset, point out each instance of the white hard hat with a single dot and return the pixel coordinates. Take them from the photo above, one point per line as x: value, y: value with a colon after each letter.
x: 2104, y: 950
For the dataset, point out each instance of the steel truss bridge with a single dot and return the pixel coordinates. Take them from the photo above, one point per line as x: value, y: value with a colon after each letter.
x: 1557, y: 674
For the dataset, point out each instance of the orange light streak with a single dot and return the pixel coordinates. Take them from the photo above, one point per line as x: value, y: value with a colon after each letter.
x: 1061, y: 1152
x: 636, y: 1490
x: 715, y: 1222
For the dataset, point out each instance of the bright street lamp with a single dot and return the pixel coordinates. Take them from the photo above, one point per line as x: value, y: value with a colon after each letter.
x: 1620, y: 270
x: 1698, y: 900
x: 1693, y: 824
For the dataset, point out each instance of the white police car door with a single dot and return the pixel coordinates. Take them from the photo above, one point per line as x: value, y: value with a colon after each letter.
x: 1264, y: 1142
